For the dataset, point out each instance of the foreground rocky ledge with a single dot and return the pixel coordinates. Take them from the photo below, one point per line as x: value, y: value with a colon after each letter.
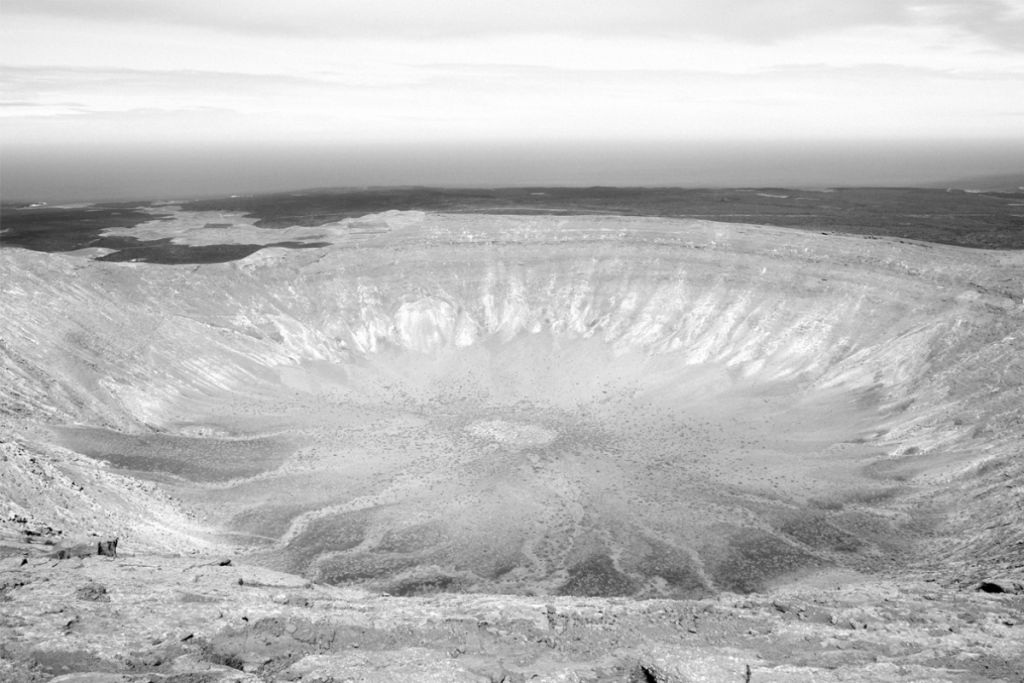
x: 199, y: 619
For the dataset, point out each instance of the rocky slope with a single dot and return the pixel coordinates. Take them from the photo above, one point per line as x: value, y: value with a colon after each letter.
x: 160, y: 618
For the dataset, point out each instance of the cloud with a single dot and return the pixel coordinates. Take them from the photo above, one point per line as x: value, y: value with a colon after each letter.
x: 98, y: 89
x: 52, y: 85
x: 28, y: 104
x: 58, y: 77
x: 49, y: 89
x: 756, y: 21
x: 443, y: 101
x: 999, y: 21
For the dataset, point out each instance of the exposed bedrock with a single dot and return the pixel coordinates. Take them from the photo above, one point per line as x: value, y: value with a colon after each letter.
x: 586, y: 406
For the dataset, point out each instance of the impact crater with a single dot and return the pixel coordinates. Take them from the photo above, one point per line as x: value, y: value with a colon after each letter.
x: 575, y: 405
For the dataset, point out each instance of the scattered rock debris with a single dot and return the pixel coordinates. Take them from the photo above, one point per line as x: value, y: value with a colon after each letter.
x: 107, y: 548
x: 281, y: 628
x: 93, y: 591
x: 1001, y: 586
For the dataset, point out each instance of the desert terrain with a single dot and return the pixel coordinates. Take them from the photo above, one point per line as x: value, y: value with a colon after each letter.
x: 518, y: 435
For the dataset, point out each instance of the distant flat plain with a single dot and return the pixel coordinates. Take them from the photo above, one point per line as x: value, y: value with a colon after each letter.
x: 988, y: 220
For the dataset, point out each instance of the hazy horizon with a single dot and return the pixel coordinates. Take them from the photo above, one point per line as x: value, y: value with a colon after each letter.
x: 159, y: 98
x: 85, y: 173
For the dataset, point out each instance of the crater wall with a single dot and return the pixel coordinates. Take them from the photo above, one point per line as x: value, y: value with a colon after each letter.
x: 595, y: 405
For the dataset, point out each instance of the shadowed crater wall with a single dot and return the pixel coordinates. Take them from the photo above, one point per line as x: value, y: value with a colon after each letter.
x: 585, y: 406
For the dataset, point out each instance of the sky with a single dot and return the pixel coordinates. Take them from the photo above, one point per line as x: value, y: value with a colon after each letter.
x: 172, y: 78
